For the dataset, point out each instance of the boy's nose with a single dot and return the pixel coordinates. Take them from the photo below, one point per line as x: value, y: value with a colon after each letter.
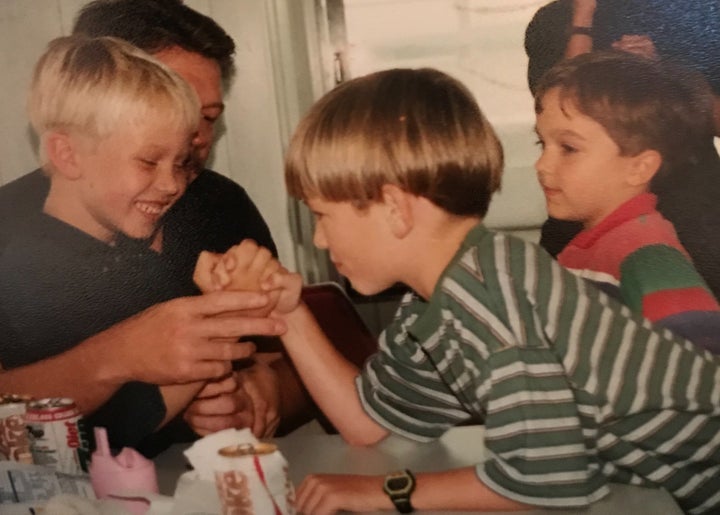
x: 319, y: 238
x: 169, y: 181
x: 541, y: 163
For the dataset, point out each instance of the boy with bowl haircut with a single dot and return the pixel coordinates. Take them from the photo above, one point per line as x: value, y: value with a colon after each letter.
x: 115, y: 128
x: 575, y: 391
x: 608, y: 123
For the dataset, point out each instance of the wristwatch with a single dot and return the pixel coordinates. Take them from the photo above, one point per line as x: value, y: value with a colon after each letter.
x: 399, y: 485
x: 585, y: 31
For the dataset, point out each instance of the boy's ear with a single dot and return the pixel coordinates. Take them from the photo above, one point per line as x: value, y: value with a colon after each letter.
x: 645, y: 165
x: 61, y: 150
x: 399, y: 210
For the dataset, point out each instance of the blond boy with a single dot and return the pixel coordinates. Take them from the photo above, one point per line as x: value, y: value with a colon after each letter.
x: 399, y: 167
x: 115, y: 129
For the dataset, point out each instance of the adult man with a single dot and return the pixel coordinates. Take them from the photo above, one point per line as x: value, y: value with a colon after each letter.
x: 213, y: 214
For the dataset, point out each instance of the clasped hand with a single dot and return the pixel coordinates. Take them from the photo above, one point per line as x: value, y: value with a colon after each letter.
x: 248, y: 397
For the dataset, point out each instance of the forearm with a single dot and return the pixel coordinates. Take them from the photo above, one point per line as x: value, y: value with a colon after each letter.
x: 81, y: 374
x: 177, y: 397
x: 329, y: 378
x: 459, y: 489
x: 450, y: 490
x: 296, y: 406
x: 583, y: 14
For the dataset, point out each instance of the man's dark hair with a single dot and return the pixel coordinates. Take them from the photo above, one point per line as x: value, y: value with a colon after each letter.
x: 156, y: 25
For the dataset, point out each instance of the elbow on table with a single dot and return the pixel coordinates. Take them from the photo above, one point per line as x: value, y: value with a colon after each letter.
x: 364, y: 438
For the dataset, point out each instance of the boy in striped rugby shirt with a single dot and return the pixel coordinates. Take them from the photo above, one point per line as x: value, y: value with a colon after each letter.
x: 608, y: 124
x: 575, y: 391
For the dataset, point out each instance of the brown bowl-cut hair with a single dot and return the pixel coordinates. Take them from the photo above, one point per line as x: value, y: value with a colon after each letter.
x: 418, y: 129
x: 642, y: 104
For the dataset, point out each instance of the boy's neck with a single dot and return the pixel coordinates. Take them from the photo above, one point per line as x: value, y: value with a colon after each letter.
x: 437, y: 245
x: 64, y: 206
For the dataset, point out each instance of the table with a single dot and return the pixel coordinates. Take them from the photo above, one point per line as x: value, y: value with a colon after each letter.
x: 461, y: 446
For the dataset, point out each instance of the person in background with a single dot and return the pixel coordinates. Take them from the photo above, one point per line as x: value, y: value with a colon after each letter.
x: 214, y: 214
x: 115, y: 129
x: 608, y: 123
x: 685, y: 33
x: 575, y: 391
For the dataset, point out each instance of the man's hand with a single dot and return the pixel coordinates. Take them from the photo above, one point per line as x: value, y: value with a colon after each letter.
x: 185, y: 339
x: 246, y: 398
x: 637, y: 44
x: 244, y: 267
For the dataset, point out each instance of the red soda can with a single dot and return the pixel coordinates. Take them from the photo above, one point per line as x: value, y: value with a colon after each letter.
x: 57, y: 435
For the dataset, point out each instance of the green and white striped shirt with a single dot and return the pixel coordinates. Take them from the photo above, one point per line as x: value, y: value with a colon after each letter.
x: 574, y: 389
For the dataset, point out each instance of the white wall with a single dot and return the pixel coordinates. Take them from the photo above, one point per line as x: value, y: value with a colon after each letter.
x: 250, y: 150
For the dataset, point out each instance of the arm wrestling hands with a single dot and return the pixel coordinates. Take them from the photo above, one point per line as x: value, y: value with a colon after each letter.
x: 171, y: 344
x: 259, y: 395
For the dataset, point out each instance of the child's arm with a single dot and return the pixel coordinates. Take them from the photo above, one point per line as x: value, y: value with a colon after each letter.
x: 458, y: 489
x: 327, y: 375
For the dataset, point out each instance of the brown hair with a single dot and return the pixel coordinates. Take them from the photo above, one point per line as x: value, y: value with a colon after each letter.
x: 641, y: 103
x: 418, y: 129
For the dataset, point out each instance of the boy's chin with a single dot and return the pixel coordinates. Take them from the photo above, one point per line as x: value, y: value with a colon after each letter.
x: 368, y: 289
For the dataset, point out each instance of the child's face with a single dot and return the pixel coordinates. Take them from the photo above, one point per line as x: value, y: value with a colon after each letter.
x: 581, y: 171
x: 127, y: 181
x: 358, y: 242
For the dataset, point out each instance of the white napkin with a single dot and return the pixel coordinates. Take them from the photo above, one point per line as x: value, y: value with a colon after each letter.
x: 196, y: 492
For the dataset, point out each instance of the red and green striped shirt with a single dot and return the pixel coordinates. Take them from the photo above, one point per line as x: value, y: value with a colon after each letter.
x: 634, y: 254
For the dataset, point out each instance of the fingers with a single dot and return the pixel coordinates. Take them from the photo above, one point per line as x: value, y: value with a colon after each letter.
x: 212, y: 415
x: 239, y: 325
x: 222, y: 385
x: 229, y: 409
x: 261, y: 385
x: 218, y: 302
x: 310, y: 496
x: 203, y: 274
x: 639, y: 44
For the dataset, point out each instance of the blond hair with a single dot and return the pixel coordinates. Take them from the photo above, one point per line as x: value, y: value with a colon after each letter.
x: 418, y: 129
x: 90, y: 85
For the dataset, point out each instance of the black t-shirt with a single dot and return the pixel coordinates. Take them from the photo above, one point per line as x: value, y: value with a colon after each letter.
x: 59, y: 286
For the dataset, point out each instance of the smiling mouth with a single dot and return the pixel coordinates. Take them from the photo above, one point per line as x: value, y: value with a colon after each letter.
x: 154, y: 209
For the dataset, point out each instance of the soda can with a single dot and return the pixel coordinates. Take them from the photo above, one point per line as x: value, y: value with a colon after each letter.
x: 14, y: 441
x: 57, y: 435
x: 253, y: 480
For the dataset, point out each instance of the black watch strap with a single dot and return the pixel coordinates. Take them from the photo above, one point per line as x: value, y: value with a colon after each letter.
x: 399, y: 486
x: 402, y: 504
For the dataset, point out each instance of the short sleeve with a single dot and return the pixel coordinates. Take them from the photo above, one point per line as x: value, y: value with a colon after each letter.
x: 401, y: 389
x: 534, y: 435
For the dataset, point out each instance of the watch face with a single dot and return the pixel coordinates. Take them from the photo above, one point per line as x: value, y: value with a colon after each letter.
x: 397, y: 483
